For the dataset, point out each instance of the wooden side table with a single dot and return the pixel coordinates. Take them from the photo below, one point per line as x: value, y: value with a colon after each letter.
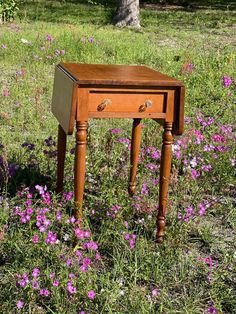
x: 84, y: 91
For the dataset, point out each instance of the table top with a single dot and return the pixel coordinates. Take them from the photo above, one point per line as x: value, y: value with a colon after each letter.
x: 122, y: 75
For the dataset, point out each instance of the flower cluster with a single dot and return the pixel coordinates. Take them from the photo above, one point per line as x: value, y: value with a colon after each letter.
x: 131, y: 239
x: 113, y: 211
x: 191, y: 211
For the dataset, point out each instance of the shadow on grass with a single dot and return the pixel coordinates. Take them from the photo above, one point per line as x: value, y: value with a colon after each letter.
x: 73, y: 12
x: 189, y: 5
x: 24, y: 176
x: 184, y: 14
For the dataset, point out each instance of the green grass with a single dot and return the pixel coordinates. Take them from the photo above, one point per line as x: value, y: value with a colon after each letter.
x: 194, y: 270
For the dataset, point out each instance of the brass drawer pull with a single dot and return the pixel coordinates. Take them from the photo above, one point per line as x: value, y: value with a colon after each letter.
x: 147, y: 104
x: 103, y: 104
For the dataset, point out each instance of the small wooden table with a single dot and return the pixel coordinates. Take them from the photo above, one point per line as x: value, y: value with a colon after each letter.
x: 84, y: 91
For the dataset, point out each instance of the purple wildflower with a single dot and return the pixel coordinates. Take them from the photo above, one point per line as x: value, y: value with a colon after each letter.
x: 35, y: 239
x: 44, y: 292
x: 90, y: 245
x: 35, y: 272
x: 227, y: 81
x: 155, y: 155
x: 145, y: 190
x: 6, y: 92
x: 91, y: 294
x: 51, y: 238
x: 115, y: 131
x: 55, y: 283
x: 98, y: 256
x: 195, y: 174
x: 69, y: 262
x: 91, y: 40
x: 83, y: 268
x: 20, y: 304
x: 87, y: 261
x: 35, y: 285
x: 70, y: 288
x: 49, y: 38
x: 155, y: 293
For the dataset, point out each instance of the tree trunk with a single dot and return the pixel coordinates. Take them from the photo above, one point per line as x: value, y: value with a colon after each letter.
x: 127, y: 14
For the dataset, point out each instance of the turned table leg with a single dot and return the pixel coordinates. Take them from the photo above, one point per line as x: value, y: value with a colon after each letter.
x: 135, y: 146
x: 80, y: 160
x: 166, y: 156
x: 61, y: 153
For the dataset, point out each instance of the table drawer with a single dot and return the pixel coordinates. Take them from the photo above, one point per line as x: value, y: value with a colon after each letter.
x: 129, y: 102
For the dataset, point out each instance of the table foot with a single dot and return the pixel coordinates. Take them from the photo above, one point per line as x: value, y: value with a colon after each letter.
x: 135, y: 147
x: 80, y: 160
x: 61, y: 153
x: 165, y: 168
x: 161, y: 221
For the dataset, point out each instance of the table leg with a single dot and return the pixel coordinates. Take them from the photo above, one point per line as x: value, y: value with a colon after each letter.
x: 80, y: 160
x: 135, y: 146
x: 61, y: 153
x: 166, y: 156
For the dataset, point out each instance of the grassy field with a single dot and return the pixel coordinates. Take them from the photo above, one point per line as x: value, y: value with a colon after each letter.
x: 115, y: 266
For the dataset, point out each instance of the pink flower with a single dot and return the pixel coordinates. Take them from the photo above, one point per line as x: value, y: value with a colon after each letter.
x: 20, y: 304
x: 87, y: 234
x: 83, y: 269
x: 69, y: 262
x: 178, y: 154
x: 51, y: 238
x: 145, y: 190
x: 227, y: 81
x: 6, y: 92
x: 126, y: 236
x: 90, y: 245
x: 202, y: 209
x: 155, y: 293
x: 78, y: 254
x: 35, y: 272
x: 58, y: 216
x: 199, y: 137
x: 35, y: 239
x: 49, y: 38
x: 195, y: 174
x: 155, y: 155
x: 91, y: 294
x: 70, y: 288
x: 79, y: 233
x: 35, y: 284
x: 55, y: 283
x: 87, y: 261
x: 132, y: 244
x: 115, y: 131
x: 126, y: 224
x: 44, y: 292
x: 98, y: 257
x: 218, y: 138
x: 206, y: 168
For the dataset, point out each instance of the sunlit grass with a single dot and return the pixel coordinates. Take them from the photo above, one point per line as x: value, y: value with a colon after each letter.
x: 193, y: 271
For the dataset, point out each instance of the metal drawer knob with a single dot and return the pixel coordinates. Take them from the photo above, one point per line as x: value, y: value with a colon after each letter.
x: 147, y: 104
x: 103, y: 104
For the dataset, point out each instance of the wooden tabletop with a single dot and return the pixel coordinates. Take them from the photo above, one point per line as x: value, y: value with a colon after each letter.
x: 107, y: 74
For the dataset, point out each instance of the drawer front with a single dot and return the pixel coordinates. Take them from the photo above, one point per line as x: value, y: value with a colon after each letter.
x: 127, y: 102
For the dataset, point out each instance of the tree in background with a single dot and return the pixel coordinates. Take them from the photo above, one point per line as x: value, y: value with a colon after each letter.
x: 127, y: 14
